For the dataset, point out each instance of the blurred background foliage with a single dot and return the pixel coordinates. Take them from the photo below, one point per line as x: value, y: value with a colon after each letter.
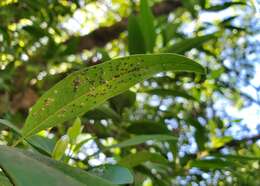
x: 43, y: 41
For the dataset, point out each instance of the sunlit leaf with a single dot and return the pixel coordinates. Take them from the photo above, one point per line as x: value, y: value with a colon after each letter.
x: 89, y: 87
x: 60, y: 147
x: 74, y: 130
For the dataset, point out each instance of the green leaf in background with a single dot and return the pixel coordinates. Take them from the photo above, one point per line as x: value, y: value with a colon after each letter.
x: 217, y: 142
x: 224, y: 6
x: 202, y: 3
x: 148, y: 127
x: 138, y: 158
x: 85, y: 89
x: 210, y: 164
x: 169, y: 31
x: 103, y: 112
x: 169, y: 92
x: 136, y: 140
x: 187, y: 44
x: 42, y: 144
x: 122, y: 101
x: 4, y: 181
x: 239, y: 158
x: 74, y: 130
x: 136, y: 43
x: 200, y: 133
x: 115, y: 174
x: 10, y: 125
x: 60, y: 147
x: 25, y: 168
x: 147, y: 25
x: 190, y: 6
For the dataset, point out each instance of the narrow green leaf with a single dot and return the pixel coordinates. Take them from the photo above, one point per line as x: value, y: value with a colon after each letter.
x: 60, y: 147
x: 10, y: 125
x: 30, y: 169
x: 115, y: 174
x: 136, y: 43
x: 138, y: 158
x: 224, y: 6
x: 187, y: 44
x: 147, y: 25
x: 74, y: 130
x: 85, y: 89
x: 136, y: 140
x: 211, y: 164
x: 148, y: 127
x: 239, y: 158
x: 168, y: 92
x: 103, y: 112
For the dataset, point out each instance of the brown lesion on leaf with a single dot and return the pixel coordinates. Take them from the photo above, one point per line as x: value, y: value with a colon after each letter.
x: 76, y: 83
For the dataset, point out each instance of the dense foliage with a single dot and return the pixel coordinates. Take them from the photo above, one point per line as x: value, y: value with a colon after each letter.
x: 128, y: 92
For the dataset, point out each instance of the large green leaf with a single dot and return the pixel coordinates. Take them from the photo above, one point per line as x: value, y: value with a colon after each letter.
x: 25, y: 168
x: 85, y: 89
x: 133, y: 160
x: 147, y: 25
x: 136, y: 140
x: 187, y: 44
x: 114, y: 173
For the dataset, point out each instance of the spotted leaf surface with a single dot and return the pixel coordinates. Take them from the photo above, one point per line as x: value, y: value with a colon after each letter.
x: 85, y: 89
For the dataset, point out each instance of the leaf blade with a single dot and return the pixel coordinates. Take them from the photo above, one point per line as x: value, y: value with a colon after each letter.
x: 147, y: 25
x: 133, y: 160
x: 82, y: 90
x: 20, y: 163
x: 136, y: 140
